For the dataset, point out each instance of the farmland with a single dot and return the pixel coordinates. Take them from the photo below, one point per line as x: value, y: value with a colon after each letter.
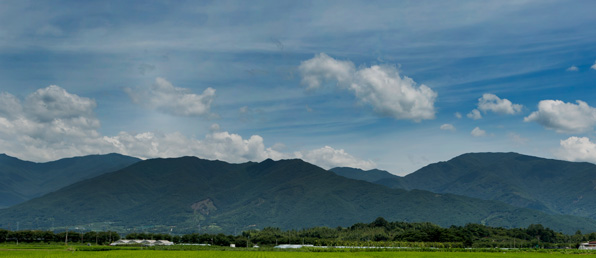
x: 33, y: 251
x: 252, y: 254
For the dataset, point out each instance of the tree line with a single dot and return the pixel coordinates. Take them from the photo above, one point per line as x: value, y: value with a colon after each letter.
x: 380, y: 232
x: 36, y: 236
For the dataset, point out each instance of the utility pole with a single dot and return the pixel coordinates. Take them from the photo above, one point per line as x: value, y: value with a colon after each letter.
x: 66, y: 237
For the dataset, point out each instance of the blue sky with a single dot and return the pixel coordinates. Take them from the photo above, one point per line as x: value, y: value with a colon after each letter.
x: 371, y: 84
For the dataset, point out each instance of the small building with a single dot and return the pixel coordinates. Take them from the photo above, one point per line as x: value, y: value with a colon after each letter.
x: 142, y: 242
x: 292, y: 246
x: 588, y: 246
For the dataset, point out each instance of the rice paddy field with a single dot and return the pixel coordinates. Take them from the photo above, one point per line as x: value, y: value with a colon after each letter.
x: 265, y: 254
x: 105, y: 252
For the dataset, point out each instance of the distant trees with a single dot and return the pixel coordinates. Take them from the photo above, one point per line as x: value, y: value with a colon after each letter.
x: 31, y: 236
x: 379, y: 232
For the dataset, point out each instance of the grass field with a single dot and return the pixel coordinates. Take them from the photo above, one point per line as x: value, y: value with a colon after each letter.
x: 265, y: 254
x: 38, y: 251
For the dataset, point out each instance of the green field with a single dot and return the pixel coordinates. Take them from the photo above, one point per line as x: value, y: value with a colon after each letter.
x: 39, y: 251
x: 253, y: 254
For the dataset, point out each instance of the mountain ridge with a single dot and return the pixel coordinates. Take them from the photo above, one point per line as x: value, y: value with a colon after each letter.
x: 22, y: 180
x: 195, y: 194
x: 549, y: 185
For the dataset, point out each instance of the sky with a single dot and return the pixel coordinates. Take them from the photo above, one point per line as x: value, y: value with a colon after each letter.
x: 393, y: 85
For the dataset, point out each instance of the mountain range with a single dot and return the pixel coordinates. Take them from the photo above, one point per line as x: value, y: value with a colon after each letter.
x: 196, y: 195
x: 23, y: 180
x: 552, y: 186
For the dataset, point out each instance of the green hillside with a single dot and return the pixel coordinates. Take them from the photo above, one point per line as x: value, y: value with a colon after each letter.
x: 552, y: 186
x: 372, y: 175
x: 22, y: 180
x: 213, y: 196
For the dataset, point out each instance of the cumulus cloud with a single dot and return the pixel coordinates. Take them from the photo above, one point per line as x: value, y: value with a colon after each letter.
x: 457, y: 115
x: 448, y: 127
x: 323, y: 68
x: 216, y: 145
x: 381, y: 87
x: 490, y: 102
x: 165, y: 97
x: 477, y: 132
x: 52, y: 123
x: 328, y: 157
x: 227, y: 147
x: 474, y: 114
x: 572, y: 68
x: 577, y: 149
x: 593, y: 66
x: 564, y: 117
x: 49, y: 118
x: 10, y: 106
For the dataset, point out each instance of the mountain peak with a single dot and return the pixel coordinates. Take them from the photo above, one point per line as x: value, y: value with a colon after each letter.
x: 372, y: 175
x: 285, y: 193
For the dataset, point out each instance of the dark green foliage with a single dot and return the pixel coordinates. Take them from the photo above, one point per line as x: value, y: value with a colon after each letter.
x: 359, y: 174
x: 23, y: 180
x: 379, y: 233
x: 552, y: 186
x: 36, y: 236
x: 192, y: 195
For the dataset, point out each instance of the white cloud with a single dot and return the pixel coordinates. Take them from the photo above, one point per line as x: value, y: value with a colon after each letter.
x: 10, y: 106
x: 577, y: 149
x: 457, y: 115
x: 324, y: 68
x: 448, y: 127
x: 48, y: 124
x: 53, y: 103
x: 227, y: 147
x: 564, y: 117
x: 490, y: 102
x: 216, y: 145
x: 593, y: 66
x: 477, y: 132
x: 474, y: 114
x: 165, y: 97
x: 328, y: 157
x: 52, y: 123
x: 381, y: 87
x: 572, y: 68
